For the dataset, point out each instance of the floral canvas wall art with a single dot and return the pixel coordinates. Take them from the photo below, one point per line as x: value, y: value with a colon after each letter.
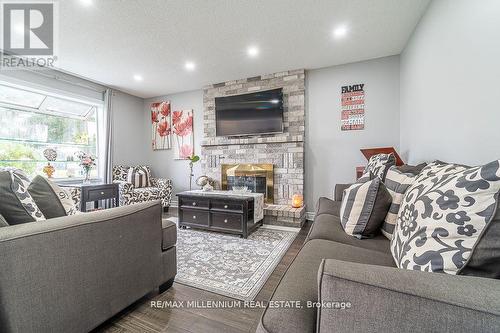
x: 182, y: 128
x: 161, y: 125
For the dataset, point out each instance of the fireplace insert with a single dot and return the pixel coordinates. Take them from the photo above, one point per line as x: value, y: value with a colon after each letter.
x: 257, y: 178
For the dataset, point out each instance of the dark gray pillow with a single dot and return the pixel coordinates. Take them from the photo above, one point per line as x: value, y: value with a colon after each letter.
x: 484, y: 260
x: 16, y: 204
x: 3, y: 223
x: 52, y: 200
x: 364, y: 208
x: 413, y: 169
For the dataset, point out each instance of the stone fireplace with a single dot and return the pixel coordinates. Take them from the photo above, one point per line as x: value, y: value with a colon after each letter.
x: 283, y: 151
x: 258, y: 178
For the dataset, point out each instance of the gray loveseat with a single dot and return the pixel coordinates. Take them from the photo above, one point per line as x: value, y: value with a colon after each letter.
x: 333, y: 268
x: 70, y: 274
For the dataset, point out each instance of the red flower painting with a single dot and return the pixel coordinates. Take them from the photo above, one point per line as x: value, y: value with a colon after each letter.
x: 182, y: 128
x: 163, y: 129
x: 161, y: 125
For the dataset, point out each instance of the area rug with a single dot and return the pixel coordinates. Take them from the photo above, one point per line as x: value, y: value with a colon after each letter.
x: 227, y: 264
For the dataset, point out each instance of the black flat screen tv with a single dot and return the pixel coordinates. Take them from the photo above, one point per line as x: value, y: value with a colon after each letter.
x: 256, y: 113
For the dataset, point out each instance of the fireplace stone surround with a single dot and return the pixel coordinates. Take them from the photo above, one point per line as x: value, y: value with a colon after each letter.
x: 284, y: 150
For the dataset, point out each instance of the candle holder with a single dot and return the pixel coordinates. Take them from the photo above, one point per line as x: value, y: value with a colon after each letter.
x: 297, y: 200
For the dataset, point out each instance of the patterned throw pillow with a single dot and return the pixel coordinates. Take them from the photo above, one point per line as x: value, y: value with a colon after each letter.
x: 139, y: 176
x: 443, y: 214
x: 3, y: 222
x: 379, y: 164
x: 363, y: 208
x: 16, y: 204
x: 397, y: 182
x: 53, y: 201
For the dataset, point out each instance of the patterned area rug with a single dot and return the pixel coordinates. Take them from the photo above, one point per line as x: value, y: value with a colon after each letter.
x: 229, y: 265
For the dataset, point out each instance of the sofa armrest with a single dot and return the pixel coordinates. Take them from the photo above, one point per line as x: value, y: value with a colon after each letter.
x: 339, y: 191
x: 96, y: 263
x: 165, y: 186
x: 126, y: 192
x: 389, y: 299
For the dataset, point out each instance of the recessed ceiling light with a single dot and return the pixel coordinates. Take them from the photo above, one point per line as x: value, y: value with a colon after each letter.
x: 138, y: 78
x: 340, y: 31
x: 253, y: 51
x: 86, y: 2
x: 189, y: 65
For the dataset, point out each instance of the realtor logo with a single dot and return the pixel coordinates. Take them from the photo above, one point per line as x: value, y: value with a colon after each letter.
x: 28, y: 32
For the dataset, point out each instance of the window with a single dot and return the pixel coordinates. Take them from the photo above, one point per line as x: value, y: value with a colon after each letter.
x: 31, y: 121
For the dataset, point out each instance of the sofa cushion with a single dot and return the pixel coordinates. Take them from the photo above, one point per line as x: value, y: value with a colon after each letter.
x: 16, y: 204
x: 328, y: 206
x: 169, y: 234
x: 364, y: 208
x: 144, y: 194
x: 52, y: 200
x: 139, y: 176
x: 328, y: 227
x: 120, y: 173
x: 300, y: 284
x: 379, y: 164
x: 443, y: 216
x: 396, y: 182
x: 484, y: 260
x: 413, y: 169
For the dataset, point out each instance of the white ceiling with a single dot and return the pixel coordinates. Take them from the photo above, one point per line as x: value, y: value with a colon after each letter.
x: 112, y: 40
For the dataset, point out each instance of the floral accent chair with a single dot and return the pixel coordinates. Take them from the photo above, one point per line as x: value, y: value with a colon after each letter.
x: 160, y: 189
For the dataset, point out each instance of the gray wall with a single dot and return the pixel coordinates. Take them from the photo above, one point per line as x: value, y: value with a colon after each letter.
x: 331, y: 154
x: 449, y: 84
x: 130, y: 134
x: 162, y: 161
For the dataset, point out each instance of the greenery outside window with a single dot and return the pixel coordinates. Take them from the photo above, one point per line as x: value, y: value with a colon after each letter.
x: 31, y: 121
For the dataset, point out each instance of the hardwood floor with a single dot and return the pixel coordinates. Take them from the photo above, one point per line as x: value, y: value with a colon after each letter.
x: 141, y: 317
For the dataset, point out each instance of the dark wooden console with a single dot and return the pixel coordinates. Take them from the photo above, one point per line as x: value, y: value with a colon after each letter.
x: 216, y: 212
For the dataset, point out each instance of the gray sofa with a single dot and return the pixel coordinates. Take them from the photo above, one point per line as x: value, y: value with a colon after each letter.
x: 334, y: 268
x: 70, y: 274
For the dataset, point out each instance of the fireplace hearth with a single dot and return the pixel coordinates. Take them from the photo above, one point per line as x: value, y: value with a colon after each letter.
x: 258, y: 178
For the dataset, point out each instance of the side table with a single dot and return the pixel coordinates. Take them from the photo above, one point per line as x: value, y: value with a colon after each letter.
x: 95, y: 193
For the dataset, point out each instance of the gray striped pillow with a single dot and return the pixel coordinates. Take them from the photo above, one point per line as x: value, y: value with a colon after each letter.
x: 364, y: 207
x: 396, y: 182
x: 138, y: 176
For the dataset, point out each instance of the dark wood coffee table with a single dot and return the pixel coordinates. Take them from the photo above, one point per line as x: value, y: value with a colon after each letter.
x: 216, y: 212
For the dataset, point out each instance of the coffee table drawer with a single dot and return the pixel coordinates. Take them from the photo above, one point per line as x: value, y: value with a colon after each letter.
x: 194, y: 203
x: 100, y: 194
x: 193, y: 216
x: 227, y: 221
x: 227, y: 206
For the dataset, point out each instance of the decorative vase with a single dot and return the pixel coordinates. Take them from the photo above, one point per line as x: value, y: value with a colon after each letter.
x: 49, y: 170
x: 87, y: 176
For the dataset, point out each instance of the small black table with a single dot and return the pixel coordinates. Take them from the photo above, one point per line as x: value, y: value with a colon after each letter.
x: 96, y: 192
x: 215, y: 212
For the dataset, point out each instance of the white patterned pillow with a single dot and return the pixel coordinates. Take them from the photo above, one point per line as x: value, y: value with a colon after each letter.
x: 16, y: 204
x: 443, y: 214
x: 379, y: 164
x: 139, y: 176
x: 396, y: 182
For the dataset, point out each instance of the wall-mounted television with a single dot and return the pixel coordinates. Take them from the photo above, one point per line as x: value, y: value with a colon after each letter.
x: 256, y: 113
